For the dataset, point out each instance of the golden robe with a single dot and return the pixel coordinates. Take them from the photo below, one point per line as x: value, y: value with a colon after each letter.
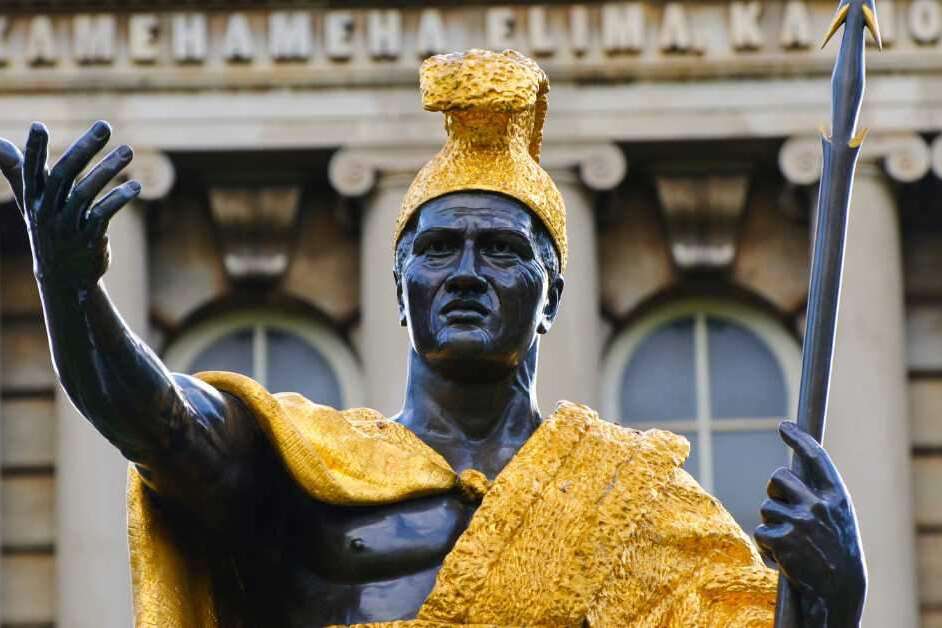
x: 590, y: 524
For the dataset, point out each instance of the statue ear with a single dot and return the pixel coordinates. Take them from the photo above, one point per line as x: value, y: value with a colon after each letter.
x: 402, y: 307
x: 551, y: 309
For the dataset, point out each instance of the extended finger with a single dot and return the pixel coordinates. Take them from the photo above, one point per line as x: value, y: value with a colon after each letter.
x: 78, y: 156
x: 813, y: 457
x: 94, y: 182
x: 103, y: 211
x: 774, y: 512
x: 34, y: 165
x: 11, y: 164
x: 787, y: 486
x: 770, y: 537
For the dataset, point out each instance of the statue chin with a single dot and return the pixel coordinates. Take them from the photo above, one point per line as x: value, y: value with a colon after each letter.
x: 469, y: 354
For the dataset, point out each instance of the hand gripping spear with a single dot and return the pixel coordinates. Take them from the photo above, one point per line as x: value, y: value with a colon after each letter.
x: 827, y: 258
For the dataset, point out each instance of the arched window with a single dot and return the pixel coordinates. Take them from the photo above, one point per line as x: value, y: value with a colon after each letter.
x: 283, y: 353
x: 722, y: 375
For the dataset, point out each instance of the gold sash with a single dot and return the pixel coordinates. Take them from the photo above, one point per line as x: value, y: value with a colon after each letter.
x: 590, y: 523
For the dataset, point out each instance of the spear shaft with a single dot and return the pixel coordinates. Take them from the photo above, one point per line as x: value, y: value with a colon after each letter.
x: 840, y: 151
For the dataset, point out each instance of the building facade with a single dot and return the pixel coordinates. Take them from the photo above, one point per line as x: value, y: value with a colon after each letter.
x: 275, y: 141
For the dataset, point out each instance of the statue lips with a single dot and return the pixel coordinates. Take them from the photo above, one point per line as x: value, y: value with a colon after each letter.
x: 467, y: 311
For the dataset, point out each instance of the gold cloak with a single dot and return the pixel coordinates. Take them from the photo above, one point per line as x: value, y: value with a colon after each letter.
x: 589, y: 524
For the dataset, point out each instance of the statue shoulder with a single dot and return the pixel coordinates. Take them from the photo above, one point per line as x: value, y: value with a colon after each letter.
x: 663, y: 445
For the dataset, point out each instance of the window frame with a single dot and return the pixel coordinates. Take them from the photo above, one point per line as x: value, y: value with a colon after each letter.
x: 192, y: 342
x: 785, y: 349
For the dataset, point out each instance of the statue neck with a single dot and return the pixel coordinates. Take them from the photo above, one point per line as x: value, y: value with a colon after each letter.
x: 449, y: 413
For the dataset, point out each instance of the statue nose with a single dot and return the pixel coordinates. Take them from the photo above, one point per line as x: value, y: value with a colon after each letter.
x: 465, y: 277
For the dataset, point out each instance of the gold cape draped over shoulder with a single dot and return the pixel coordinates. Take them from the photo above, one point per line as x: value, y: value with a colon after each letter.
x: 589, y: 524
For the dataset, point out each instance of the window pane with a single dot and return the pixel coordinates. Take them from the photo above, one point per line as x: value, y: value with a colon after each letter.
x: 658, y: 384
x: 746, y: 380
x: 232, y: 352
x: 743, y: 462
x: 296, y: 366
x: 692, y: 465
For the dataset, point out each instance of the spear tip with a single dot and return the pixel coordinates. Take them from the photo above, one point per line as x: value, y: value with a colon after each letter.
x: 839, y: 18
x: 873, y: 25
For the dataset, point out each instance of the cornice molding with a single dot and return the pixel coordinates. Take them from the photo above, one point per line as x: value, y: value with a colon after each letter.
x: 355, y: 172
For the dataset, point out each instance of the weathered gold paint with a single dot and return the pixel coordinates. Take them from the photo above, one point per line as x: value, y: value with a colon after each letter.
x: 589, y: 524
x: 494, y: 105
x: 839, y: 18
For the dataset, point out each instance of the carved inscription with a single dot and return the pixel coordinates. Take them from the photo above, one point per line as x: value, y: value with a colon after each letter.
x: 646, y: 33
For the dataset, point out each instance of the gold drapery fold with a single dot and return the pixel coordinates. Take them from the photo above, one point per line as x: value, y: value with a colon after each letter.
x: 589, y: 524
x: 350, y: 457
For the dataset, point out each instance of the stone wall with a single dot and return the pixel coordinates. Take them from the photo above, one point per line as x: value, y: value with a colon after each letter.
x: 923, y: 256
x: 27, y: 454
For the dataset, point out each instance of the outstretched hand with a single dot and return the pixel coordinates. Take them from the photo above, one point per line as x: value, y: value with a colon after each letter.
x: 67, y: 229
x: 810, y: 529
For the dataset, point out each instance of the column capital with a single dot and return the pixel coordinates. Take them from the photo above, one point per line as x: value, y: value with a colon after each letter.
x: 935, y: 157
x: 356, y: 171
x: 904, y: 157
x: 155, y: 172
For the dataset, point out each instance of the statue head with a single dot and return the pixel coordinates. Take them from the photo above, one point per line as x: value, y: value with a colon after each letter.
x: 481, y: 237
x: 478, y: 280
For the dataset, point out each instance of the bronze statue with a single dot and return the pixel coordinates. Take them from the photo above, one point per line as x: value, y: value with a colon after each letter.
x: 469, y: 507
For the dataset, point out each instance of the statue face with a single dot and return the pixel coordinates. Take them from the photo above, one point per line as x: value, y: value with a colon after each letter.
x: 473, y: 291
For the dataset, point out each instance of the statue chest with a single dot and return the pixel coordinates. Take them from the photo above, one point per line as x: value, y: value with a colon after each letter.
x: 347, y: 565
x: 362, y: 544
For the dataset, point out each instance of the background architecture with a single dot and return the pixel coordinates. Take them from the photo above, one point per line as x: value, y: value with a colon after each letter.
x: 276, y: 139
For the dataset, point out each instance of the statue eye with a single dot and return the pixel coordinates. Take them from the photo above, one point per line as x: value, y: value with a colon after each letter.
x: 498, y: 247
x: 438, y: 247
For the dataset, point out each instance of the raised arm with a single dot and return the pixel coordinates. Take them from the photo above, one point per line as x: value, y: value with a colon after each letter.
x: 166, y: 424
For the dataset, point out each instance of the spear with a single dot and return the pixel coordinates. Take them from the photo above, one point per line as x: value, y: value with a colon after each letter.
x: 827, y: 257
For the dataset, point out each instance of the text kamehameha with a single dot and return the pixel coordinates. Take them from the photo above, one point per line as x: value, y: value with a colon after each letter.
x: 382, y: 35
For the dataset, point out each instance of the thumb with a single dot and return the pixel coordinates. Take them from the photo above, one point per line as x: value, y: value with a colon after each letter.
x: 11, y: 164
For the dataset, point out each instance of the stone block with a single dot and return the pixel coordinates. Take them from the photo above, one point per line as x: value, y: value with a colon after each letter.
x: 634, y: 261
x: 931, y: 619
x: 27, y: 432
x: 774, y: 255
x: 325, y: 269
x: 28, y: 589
x: 928, y: 490
x: 24, y: 356
x: 924, y: 338
x: 929, y: 552
x: 18, y: 293
x: 922, y: 258
x: 925, y: 411
x: 28, y: 511
x: 185, y: 270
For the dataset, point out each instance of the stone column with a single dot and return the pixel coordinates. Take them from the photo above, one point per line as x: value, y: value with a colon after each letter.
x: 384, y: 345
x: 868, y: 428
x: 93, y: 575
x: 570, y: 353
